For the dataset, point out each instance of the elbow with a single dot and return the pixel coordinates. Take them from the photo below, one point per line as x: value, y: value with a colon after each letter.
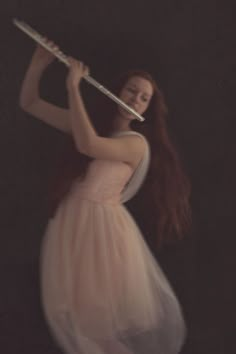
x: 23, y: 103
x: 84, y: 147
x: 23, y: 106
x: 23, y: 100
x: 26, y: 102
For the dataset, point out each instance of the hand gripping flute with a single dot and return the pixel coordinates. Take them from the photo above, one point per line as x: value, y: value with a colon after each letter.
x: 63, y: 58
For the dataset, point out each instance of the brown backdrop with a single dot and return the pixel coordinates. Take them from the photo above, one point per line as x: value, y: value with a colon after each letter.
x: 189, y: 46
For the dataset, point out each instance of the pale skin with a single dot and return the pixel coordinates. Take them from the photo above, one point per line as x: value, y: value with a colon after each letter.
x: 137, y: 93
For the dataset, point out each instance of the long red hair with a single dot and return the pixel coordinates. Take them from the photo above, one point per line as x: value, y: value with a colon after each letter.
x: 167, y: 189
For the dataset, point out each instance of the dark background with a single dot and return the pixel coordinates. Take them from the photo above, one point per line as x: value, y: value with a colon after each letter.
x: 189, y: 46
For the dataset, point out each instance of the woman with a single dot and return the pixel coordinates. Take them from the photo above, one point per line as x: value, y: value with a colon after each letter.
x: 102, y: 290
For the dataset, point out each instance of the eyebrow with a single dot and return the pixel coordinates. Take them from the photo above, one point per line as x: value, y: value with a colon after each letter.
x: 135, y: 86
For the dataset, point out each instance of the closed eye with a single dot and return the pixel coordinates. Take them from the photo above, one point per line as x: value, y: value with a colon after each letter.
x: 134, y: 91
x: 131, y: 90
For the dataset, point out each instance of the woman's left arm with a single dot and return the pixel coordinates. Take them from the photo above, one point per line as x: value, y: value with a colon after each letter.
x: 129, y: 149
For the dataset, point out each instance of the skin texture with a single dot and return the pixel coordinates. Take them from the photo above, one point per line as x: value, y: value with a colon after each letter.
x: 137, y: 92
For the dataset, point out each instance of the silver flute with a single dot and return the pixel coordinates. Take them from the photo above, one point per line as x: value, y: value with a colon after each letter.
x: 64, y: 59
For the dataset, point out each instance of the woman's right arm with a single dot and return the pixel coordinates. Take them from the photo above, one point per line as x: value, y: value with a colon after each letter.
x: 30, y: 100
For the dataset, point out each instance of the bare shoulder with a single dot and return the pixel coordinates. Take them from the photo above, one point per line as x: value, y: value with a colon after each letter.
x: 134, y: 140
x: 137, y: 145
x: 126, y: 147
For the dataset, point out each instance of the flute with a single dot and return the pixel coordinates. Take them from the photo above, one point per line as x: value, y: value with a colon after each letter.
x: 63, y: 58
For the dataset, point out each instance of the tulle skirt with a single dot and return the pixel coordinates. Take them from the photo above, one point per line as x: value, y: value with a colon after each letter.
x: 102, y: 290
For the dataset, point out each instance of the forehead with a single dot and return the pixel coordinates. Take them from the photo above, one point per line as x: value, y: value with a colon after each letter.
x: 140, y: 83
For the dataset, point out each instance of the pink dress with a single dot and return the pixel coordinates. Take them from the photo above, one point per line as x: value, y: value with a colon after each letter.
x: 102, y: 290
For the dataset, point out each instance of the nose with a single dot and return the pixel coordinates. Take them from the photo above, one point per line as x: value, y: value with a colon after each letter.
x: 135, y: 98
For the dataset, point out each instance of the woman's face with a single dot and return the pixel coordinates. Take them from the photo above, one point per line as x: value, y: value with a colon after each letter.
x: 136, y: 93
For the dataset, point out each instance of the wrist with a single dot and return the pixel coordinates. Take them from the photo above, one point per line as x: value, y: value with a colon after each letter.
x: 37, y: 68
x: 73, y: 87
x: 39, y: 64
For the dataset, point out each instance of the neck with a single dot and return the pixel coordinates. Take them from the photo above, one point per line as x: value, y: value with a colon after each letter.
x: 121, y: 124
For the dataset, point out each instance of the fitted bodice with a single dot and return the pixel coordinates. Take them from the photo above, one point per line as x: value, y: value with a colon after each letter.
x: 104, y: 181
x: 109, y: 181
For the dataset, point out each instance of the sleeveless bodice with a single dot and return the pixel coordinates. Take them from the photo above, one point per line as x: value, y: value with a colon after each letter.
x: 104, y: 181
x: 113, y: 181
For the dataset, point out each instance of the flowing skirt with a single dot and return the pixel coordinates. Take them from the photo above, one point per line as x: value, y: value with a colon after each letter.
x: 102, y: 290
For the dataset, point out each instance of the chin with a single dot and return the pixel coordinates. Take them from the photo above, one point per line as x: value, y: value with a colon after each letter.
x: 130, y: 117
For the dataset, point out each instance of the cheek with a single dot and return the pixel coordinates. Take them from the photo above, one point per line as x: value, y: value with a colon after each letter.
x: 144, y: 106
x: 125, y: 95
